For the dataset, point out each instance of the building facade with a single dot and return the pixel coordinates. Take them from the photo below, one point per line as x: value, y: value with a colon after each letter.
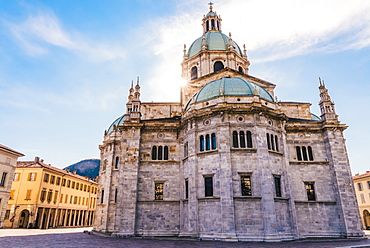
x: 43, y: 196
x: 228, y: 161
x: 8, y: 162
x: 362, y: 188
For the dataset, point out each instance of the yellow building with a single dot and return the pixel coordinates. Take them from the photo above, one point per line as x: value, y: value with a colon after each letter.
x: 43, y: 196
x: 8, y: 162
x: 362, y: 188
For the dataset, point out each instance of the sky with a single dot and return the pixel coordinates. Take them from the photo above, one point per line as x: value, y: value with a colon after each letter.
x: 66, y: 65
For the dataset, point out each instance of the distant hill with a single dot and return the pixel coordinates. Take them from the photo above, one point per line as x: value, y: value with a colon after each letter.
x: 86, y: 167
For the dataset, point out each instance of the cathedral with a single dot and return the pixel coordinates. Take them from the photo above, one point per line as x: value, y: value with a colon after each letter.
x: 228, y: 161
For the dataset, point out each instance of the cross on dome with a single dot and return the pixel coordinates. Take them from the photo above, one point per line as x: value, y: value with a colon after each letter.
x: 210, y: 6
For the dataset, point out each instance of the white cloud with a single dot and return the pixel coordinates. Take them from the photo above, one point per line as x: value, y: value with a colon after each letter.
x: 44, y: 29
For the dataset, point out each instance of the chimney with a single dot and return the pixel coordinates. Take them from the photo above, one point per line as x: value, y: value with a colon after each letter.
x: 41, y: 160
x: 74, y: 172
x: 37, y: 159
x: 68, y: 169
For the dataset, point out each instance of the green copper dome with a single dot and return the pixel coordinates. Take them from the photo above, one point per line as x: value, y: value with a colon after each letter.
x: 229, y: 87
x: 115, y: 124
x: 216, y: 41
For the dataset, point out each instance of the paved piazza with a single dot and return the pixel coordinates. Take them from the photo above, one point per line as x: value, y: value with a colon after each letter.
x: 77, y: 238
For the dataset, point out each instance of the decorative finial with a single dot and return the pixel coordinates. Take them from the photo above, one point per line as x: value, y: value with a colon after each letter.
x: 137, y: 83
x: 210, y: 6
x: 132, y: 84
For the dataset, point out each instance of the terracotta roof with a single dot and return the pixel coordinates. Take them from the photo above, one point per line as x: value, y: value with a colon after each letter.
x: 358, y: 176
x: 7, y: 149
x: 40, y: 164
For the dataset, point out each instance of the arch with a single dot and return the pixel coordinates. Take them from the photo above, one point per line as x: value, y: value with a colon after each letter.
x: 165, y: 153
x: 304, y: 153
x: 208, y: 143
x: 276, y: 143
x: 160, y: 153
x: 240, y: 69
x: 249, y: 140
x: 218, y: 65
x: 154, y: 153
x: 310, y: 154
x: 201, y: 143
x: 207, y: 25
x: 242, y: 139
x: 366, y: 216
x: 194, y: 73
x: 23, y: 218
x: 235, y: 139
x: 299, y: 154
x: 116, y: 163
x: 213, y: 24
x: 213, y: 140
x: 268, y: 141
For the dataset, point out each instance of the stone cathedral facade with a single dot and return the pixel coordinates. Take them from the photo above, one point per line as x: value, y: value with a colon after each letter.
x: 228, y: 161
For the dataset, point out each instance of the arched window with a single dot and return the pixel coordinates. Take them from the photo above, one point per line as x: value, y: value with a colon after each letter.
x: 213, y: 24
x: 304, y: 153
x: 104, y: 165
x: 154, y: 153
x: 235, y: 139
x: 160, y: 152
x: 165, y: 155
x: 194, y: 73
x: 201, y: 143
x: 213, y: 138
x: 242, y: 139
x: 310, y: 155
x: 208, y: 145
x: 218, y: 66
x: 249, y: 139
x: 207, y: 25
x: 240, y: 69
x: 117, y: 162
x: 276, y: 143
x: 299, y: 154
x: 268, y: 141
x: 272, y: 142
x: 186, y: 149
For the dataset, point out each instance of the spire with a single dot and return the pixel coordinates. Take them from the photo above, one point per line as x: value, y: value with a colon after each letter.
x: 326, y: 104
x: 211, y: 22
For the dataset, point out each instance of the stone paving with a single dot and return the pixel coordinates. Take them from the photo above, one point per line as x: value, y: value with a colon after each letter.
x: 68, y: 238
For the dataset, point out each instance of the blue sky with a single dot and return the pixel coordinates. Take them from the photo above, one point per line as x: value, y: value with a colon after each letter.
x: 66, y: 66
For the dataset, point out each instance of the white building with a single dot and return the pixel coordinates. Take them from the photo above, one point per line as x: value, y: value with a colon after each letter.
x: 228, y: 161
x: 8, y: 162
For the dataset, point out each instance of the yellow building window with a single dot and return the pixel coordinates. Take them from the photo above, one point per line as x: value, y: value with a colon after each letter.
x: 73, y: 185
x: 69, y: 183
x: 11, y: 195
x: 50, y: 195
x: 64, y: 182
x: 32, y: 176
x: 17, y: 176
x: 66, y: 199
x: 28, y: 194
x: 85, y: 187
x: 79, y: 200
x: 77, y: 185
x: 46, y: 178
x: 81, y: 186
x: 61, y: 198
x: 58, y: 181
x: 83, y: 201
x: 75, y: 200
x: 88, y: 189
x: 71, y: 199
x: 43, y: 195
x: 56, y: 197
x: 52, y: 179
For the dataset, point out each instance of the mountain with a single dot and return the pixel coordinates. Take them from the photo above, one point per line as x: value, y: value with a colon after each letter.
x: 87, y: 167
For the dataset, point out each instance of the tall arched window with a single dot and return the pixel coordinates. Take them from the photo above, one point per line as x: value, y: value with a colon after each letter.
x: 194, y: 73
x: 154, y: 153
x: 218, y: 65
x: 240, y: 69
x: 213, y: 24
x: 310, y: 154
x: 299, y: 154
x: 268, y: 141
x: 207, y: 25
x: 160, y: 152
x: 276, y: 143
x: 272, y: 142
x: 304, y: 153
x: 242, y: 139
x: 249, y: 139
x: 117, y: 162
x: 208, y: 143
x: 213, y: 138
x: 235, y: 139
x: 104, y: 165
x: 201, y: 143
x: 165, y: 153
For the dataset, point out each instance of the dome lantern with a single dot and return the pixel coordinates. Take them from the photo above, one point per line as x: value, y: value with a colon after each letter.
x: 211, y: 22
